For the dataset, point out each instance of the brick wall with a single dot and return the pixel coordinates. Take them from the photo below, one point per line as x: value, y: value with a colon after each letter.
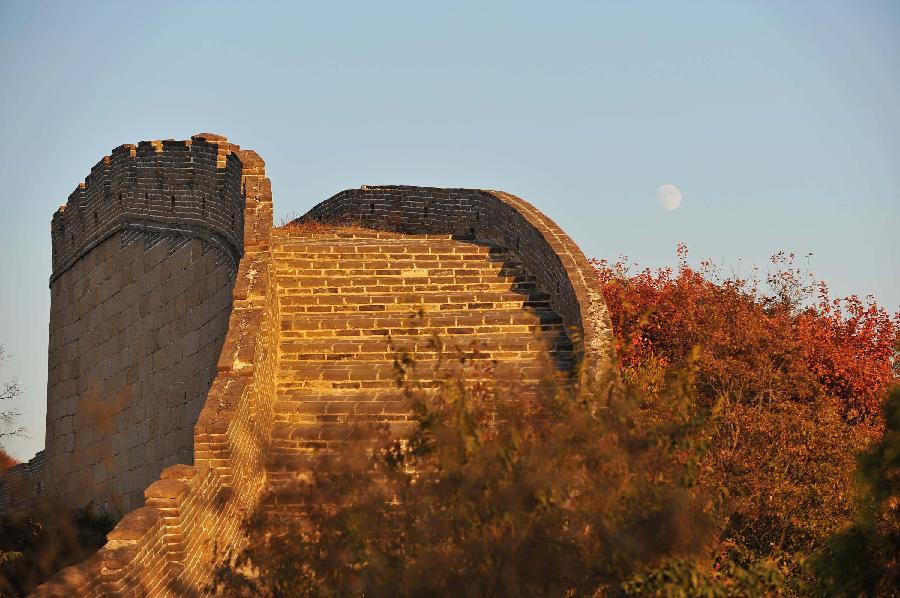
x: 546, y: 251
x: 22, y: 484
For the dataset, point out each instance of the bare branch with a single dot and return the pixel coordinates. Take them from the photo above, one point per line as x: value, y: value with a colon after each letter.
x: 10, y: 390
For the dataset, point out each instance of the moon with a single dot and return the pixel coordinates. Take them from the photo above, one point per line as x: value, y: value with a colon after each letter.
x: 669, y: 197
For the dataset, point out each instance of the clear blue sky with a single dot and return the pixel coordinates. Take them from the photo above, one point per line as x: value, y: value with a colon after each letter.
x: 779, y: 121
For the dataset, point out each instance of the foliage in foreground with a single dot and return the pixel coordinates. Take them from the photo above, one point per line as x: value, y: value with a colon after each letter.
x: 864, y: 558
x: 38, y: 543
x: 492, y: 494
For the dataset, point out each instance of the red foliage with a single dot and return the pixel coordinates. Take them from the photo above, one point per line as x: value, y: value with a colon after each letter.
x: 6, y: 461
x: 754, y: 345
x: 851, y: 347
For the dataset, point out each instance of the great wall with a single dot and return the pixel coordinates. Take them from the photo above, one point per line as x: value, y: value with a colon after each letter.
x: 200, y: 359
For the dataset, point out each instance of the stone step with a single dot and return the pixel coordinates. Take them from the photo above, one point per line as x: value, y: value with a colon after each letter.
x: 324, y: 374
x: 300, y: 285
x: 400, y: 253
x: 380, y: 347
x: 426, y: 303
x: 392, y: 268
x: 330, y: 370
x: 427, y: 371
x: 404, y: 331
x: 318, y: 285
x: 476, y: 347
x: 312, y: 405
x: 308, y: 403
x: 413, y: 270
x: 365, y: 276
x: 523, y: 288
x: 388, y: 382
x: 371, y: 351
x: 428, y: 253
x: 359, y: 251
x: 403, y: 255
x: 294, y: 435
x: 326, y: 247
x: 467, y: 320
x: 405, y: 308
x: 411, y: 298
x: 288, y: 238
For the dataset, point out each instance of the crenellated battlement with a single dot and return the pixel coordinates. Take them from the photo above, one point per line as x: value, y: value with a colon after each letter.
x: 194, y: 187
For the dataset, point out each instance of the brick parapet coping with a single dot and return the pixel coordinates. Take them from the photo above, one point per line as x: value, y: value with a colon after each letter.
x: 548, y: 253
x: 166, y: 548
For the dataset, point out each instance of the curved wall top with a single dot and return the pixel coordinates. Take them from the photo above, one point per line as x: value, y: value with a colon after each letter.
x: 549, y: 254
x: 192, y: 187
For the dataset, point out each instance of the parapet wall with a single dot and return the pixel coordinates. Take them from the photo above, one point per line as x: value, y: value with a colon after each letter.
x: 546, y: 251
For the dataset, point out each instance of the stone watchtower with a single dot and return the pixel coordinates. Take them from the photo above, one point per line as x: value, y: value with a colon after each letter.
x: 145, y: 253
x: 200, y: 361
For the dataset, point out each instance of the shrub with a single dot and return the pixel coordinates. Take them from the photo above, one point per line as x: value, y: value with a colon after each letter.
x: 783, y: 340
x: 494, y: 493
x: 43, y: 540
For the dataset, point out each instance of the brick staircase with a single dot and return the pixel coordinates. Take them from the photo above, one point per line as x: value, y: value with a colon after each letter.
x: 351, y: 299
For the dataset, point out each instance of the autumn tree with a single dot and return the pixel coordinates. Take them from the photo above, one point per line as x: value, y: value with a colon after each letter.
x: 792, y: 382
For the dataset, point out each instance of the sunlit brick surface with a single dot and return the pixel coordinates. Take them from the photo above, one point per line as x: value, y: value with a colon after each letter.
x: 352, y: 299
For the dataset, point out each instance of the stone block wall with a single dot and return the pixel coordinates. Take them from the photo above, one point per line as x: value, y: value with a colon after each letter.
x: 136, y: 328
x: 192, y: 187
